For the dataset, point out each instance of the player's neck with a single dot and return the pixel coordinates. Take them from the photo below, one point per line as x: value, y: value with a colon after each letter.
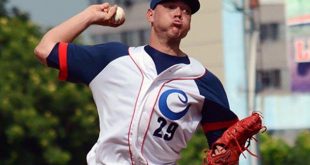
x: 166, y: 46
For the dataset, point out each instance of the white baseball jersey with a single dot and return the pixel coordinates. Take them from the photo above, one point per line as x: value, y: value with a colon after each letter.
x: 149, y: 103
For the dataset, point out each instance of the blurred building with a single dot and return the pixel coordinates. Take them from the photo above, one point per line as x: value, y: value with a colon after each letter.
x: 220, y: 38
x: 133, y: 32
x: 283, y: 65
x: 272, y: 61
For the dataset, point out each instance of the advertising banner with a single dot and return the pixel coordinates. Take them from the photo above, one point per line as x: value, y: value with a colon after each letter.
x: 298, y: 27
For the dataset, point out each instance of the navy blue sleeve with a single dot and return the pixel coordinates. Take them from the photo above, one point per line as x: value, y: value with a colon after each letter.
x: 216, y: 113
x: 85, y: 62
x: 52, y: 59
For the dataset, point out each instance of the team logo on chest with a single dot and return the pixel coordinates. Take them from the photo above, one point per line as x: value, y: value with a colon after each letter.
x: 173, y: 104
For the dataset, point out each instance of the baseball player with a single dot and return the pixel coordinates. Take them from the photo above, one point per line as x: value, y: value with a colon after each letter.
x: 150, y: 99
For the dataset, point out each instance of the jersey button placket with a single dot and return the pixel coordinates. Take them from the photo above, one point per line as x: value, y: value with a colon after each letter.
x: 135, y: 136
x: 145, y: 120
x: 132, y: 139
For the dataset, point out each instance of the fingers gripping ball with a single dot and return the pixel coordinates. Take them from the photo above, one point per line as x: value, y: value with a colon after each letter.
x: 119, y: 15
x: 233, y: 140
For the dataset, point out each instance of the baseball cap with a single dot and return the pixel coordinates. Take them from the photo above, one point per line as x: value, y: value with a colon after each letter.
x: 194, y: 4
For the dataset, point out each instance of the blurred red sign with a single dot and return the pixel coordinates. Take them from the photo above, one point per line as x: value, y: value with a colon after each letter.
x: 302, y: 50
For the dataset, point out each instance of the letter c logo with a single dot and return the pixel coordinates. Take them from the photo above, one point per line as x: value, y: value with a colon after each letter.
x: 164, y: 108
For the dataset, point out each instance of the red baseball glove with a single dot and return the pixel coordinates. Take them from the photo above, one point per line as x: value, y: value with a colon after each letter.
x: 233, y: 141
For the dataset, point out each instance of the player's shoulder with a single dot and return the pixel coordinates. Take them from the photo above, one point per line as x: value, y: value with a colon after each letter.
x: 114, y: 47
x: 209, y: 78
x: 196, y: 68
x: 212, y: 89
x: 195, y: 61
x: 106, y: 51
x: 108, y: 47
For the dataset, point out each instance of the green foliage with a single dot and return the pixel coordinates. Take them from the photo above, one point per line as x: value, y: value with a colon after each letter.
x: 42, y: 120
x: 275, y: 151
x: 301, y: 151
x: 193, y: 154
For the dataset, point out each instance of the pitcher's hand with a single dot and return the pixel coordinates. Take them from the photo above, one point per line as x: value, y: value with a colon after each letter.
x: 103, y: 14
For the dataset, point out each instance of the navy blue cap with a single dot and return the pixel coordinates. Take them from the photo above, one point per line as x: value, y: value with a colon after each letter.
x: 193, y: 4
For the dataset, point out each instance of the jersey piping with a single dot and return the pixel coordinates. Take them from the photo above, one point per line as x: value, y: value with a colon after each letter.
x: 135, y: 107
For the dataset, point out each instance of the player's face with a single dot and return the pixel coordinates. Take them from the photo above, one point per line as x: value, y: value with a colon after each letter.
x: 171, y: 19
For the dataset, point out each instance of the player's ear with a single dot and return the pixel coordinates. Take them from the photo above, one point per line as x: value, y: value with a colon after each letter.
x: 149, y: 15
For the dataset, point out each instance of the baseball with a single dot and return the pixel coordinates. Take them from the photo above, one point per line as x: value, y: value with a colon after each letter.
x: 119, y: 15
